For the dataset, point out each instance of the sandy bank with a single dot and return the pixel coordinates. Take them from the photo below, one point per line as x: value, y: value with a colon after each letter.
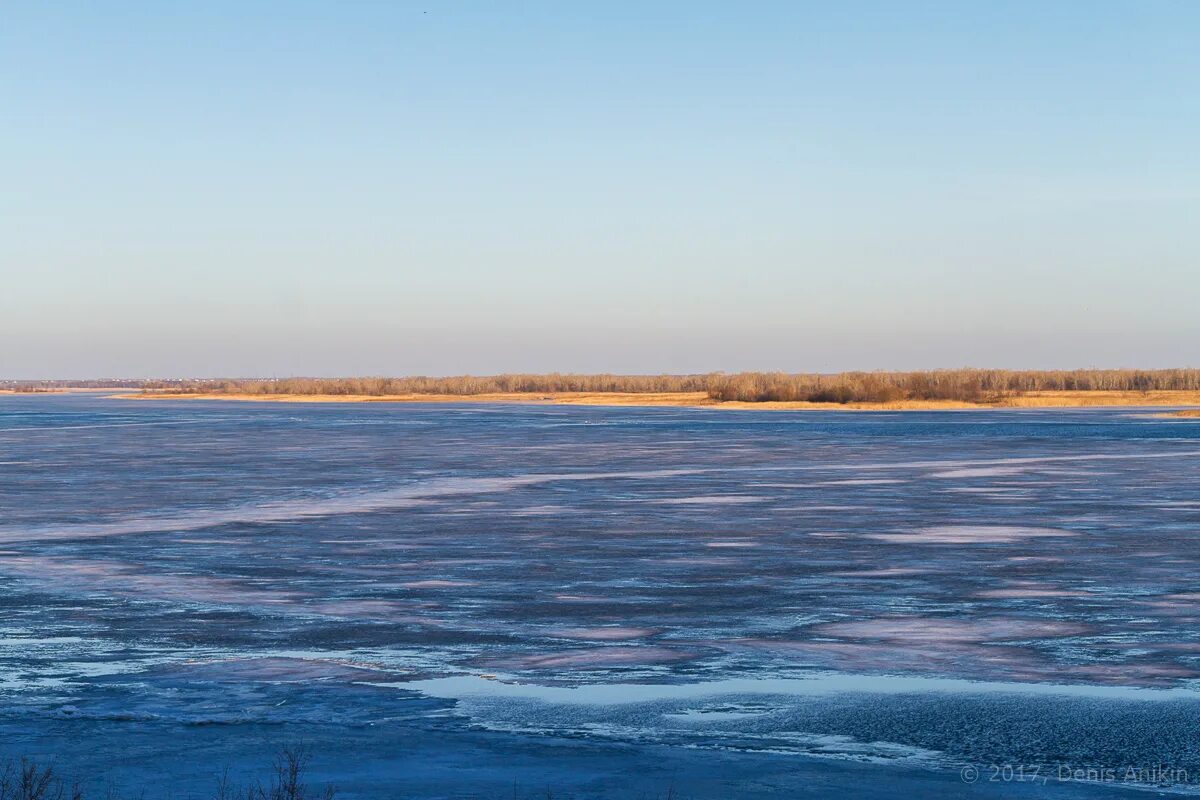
x: 701, y: 400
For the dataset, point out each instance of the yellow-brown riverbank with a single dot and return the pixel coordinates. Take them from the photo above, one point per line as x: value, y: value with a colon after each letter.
x: 1078, y: 399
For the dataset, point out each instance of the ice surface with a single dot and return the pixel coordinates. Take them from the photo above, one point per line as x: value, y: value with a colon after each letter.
x: 166, y: 565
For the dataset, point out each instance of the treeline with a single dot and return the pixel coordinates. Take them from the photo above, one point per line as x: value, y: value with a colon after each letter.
x: 970, y: 385
x: 89, y: 383
x: 457, y: 385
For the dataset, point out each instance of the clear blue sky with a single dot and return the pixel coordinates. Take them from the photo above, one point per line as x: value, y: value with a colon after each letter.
x: 257, y: 188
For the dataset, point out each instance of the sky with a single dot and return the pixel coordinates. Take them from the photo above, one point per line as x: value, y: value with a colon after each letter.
x: 388, y: 188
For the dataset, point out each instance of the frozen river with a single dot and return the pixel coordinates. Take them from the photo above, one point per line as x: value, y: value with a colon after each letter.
x: 482, y: 601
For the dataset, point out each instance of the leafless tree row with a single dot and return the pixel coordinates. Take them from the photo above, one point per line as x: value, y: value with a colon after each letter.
x: 978, y: 385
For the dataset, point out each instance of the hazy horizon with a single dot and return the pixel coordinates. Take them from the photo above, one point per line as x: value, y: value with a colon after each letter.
x: 400, y: 189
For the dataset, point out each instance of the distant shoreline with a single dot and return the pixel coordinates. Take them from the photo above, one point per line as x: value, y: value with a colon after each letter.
x: 1055, y: 399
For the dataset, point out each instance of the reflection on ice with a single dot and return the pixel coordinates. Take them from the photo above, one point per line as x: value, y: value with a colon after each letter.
x: 408, y: 496
x: 457, y: 687
x: 969, y: 534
